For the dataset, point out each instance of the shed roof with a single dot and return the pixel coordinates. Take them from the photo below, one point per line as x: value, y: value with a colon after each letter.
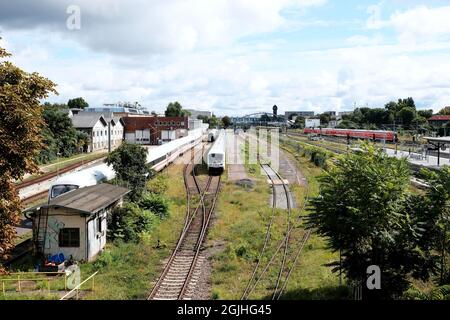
x: 87, y: 119
x: 90, y: 199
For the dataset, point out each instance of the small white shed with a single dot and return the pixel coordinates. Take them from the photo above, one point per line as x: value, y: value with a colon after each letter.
x: 75, y: 223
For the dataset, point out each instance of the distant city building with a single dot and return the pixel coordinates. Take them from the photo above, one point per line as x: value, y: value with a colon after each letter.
x: 120, y: 109
x: 331, y: 113
x: 290, y: 114
x: 312, y: 123
x: 196, y: 113
x: 194, y: 123
x: 154, y: 130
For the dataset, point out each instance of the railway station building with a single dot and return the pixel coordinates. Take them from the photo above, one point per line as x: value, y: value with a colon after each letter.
x: 75, y: 224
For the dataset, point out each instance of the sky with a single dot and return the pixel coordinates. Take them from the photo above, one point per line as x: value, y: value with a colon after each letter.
x: 235, y: 57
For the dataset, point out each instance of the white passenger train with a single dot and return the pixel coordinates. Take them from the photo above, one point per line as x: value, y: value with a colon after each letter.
x: 158, y: 158
x: 215, y: 157
x: 212, y: 135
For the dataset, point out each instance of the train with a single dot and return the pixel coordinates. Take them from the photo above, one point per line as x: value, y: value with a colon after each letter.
x: 212, y: 135
x: 389, y: 136
x: 215, y: 157
x: 158, y: 158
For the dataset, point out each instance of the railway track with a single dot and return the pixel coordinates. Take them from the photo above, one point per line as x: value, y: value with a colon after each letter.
x: 290, y: 253
x: 38, y: 196
x: 50, y: 175
x: 183, y: 270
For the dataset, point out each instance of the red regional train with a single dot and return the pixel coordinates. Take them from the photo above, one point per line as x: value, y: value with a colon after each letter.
x: 389, y: 136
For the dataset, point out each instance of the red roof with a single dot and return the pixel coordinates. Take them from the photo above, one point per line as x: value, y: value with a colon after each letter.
x: 440, y: 118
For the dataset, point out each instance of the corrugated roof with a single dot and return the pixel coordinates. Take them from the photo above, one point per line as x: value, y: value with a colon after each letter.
x: 87, y: 119
x: 440, y: 118
x: 90, y: 199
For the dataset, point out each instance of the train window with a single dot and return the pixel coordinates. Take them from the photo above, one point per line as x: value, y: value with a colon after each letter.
x: 61, y: 189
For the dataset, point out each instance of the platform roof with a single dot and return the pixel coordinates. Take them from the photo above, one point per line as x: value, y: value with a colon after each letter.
x: 438, y: 140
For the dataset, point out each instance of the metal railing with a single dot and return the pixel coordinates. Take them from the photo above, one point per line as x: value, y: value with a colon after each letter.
x: 26, y: 276
x: 77, y: 287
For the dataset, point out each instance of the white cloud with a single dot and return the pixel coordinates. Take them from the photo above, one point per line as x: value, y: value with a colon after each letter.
x: 142, y: 26
x: 187, y: 52
x: 422, y: 24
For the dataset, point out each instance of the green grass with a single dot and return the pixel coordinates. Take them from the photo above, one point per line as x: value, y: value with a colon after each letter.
x: 239, y: 232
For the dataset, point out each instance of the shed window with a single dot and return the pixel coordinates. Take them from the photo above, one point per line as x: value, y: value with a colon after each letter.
x: 69, y: 238
x: 99, y: 224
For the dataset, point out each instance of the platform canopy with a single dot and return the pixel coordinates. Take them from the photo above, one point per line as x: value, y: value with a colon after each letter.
x: 441, y: 140
x: 438, y: 144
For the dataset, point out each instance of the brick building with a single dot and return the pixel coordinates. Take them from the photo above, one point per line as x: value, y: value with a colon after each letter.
x: 154, y: 130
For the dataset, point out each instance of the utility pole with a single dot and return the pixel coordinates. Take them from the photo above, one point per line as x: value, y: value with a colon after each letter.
x: 109, y: 136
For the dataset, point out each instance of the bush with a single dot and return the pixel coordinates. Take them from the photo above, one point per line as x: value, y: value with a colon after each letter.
x: 103, y: 260
x: 128, y: 222
x: 156, y: 203
x: 157, y: 185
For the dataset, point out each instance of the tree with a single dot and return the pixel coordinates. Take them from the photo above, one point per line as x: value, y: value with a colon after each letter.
x: 174, y: 109
x: 77, y: 103
x: 436, y: 206
x: 203, y: 118
x: 226, y: 122
x: 445, y: 111
x: 60, y: 137
x: 325, y: 119
x: 213, y: 122
x: 347, y: 124
x: 130, y: 164
x: 300, y: 122
x: 364, y: 211
x: 21, y: 123
x: 427, y: 114
x: 406, y: 115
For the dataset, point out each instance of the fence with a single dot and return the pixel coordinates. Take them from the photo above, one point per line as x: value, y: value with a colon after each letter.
x: 77, y: 288
x: 19, y: 278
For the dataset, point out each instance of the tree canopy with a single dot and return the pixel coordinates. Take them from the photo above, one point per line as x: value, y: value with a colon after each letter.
x: 21, y: 123
x: 366, y: 213
x: 77, y: 103
x: 60, y: 137
x: 130, y: 164
x: 174, y: 109
x: 226, y: 122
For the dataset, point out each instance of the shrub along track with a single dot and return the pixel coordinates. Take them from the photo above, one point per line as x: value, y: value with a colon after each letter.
x: 183, y: 270
x: 288, y: 250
